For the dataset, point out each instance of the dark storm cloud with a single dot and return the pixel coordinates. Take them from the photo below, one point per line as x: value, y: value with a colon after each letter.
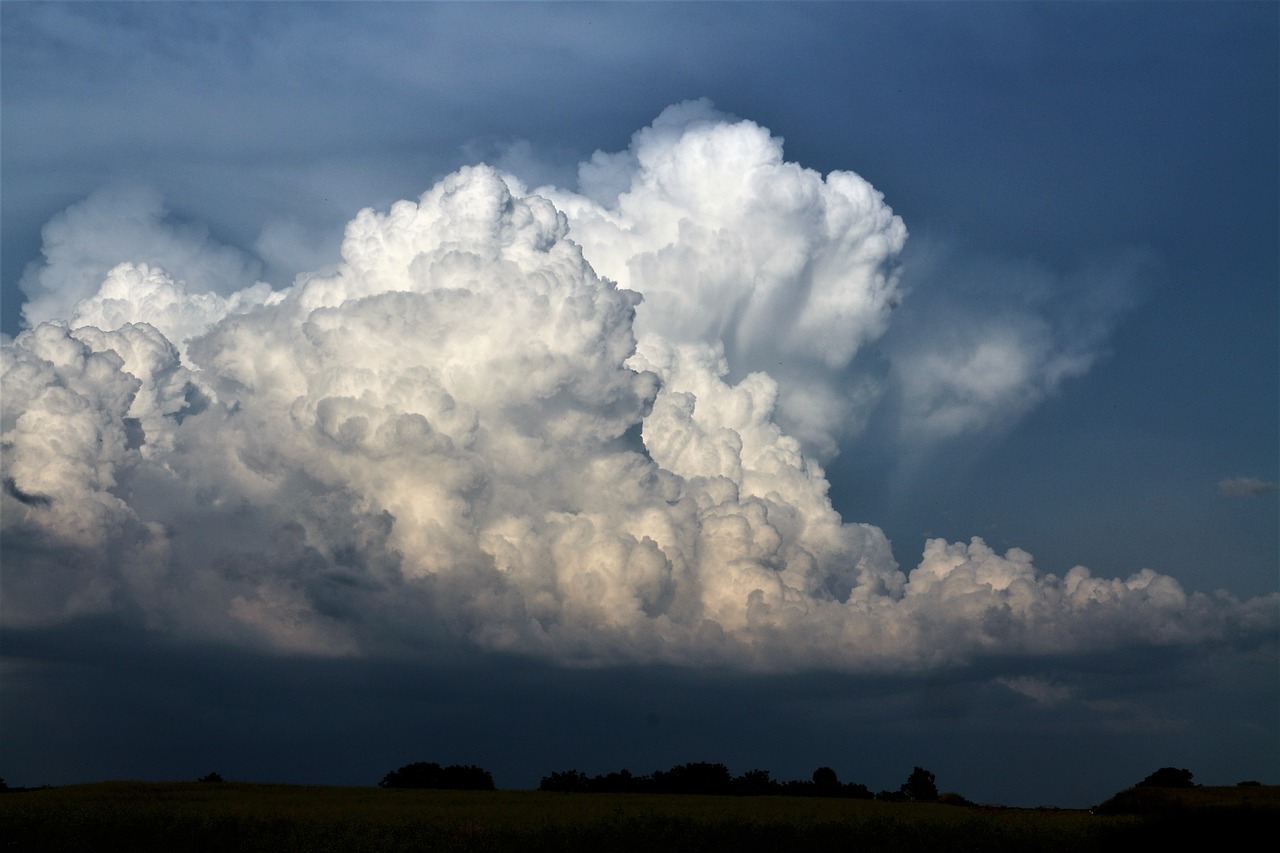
x: 178, y: 711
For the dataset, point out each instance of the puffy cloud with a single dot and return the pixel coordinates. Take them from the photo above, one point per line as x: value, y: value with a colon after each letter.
x: 137, y: 293
x: 731, y: 245
x: 456, y: 436
x: 65, y: 433
x: 975, y: 598
x: 794, y: 274
x: 71, y: 434
x: 85, y: 241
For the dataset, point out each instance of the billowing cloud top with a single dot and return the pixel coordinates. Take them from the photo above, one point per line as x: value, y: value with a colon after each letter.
x: 554, y: 423
x: 778, y: 268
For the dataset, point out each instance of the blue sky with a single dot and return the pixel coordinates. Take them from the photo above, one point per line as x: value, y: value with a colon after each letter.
x: 1095, y: 187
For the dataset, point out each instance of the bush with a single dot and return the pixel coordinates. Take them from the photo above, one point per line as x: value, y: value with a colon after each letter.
x: 951, y: 798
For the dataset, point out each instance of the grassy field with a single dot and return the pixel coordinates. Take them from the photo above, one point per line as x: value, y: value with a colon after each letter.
x: 230, y: 816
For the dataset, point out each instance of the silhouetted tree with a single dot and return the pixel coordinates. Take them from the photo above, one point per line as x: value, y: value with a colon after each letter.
x: 705, y: 778
x: 621, y: 782
x: 212, y: 777
x: 856, y: 791
x: 424, y: 774
x: 564, y: 780
x: 1168, y: 777
x: 920, y: 786
x: 825, y: 780
x: 697, y: 778
x: 754, y: 783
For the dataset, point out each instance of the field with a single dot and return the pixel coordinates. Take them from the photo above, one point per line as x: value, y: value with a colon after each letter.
x: 230, y: 816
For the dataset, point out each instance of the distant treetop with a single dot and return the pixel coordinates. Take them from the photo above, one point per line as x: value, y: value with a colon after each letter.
x: 920, y: 786
x: 703, y: 778
x: 1168, y: 777
x: 424, y: 774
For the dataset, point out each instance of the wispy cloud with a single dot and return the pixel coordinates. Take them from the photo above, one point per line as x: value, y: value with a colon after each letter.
x: 1245, y: 487
x: 1039, y: 690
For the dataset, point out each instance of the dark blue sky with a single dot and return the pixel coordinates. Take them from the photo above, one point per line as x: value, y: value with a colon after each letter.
x: 1110, y: 171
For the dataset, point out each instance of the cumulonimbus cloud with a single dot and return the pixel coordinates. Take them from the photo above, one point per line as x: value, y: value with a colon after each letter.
x: 554, y: 423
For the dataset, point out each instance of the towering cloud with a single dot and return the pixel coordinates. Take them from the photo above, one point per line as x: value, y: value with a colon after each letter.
x: 557, y: 423
x: 733, y: 247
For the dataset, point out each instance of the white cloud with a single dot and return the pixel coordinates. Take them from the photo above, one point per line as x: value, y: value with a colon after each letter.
x: 732, y: 245
x: 118, y: 224
x: 456, y: 436
x: 136, y: 293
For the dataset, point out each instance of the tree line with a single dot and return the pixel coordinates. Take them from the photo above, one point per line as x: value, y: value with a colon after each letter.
x: 708, y: 778
x: 702, y: 777
x: 699, y: 777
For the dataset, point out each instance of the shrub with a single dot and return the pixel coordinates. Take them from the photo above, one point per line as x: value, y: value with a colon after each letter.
x: 951, y: 798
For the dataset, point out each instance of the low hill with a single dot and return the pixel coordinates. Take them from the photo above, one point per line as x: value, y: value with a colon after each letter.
x: 1157, y: 801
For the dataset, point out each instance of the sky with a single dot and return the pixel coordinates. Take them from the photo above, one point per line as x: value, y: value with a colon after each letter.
x: 592, y: 386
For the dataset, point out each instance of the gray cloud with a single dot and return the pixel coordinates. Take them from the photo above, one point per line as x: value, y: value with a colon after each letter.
x: 1038, y: 690
x: 175, y: 710
x: 1245, y: 487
